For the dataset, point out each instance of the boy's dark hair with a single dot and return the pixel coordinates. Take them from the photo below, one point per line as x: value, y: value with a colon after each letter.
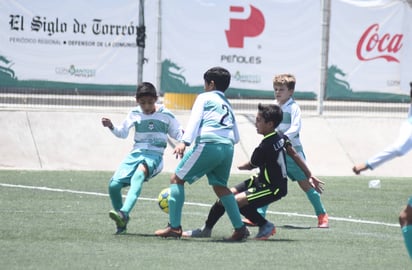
x: 146, y: 89
x: 271, y: 113
x: 220, y: 76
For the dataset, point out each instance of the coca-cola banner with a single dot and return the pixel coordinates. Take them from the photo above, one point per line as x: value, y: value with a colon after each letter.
x: 370, y: 50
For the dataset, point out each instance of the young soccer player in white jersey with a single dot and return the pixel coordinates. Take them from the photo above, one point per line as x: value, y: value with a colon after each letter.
x: 152, y: 124
x: 213, y: 129
x: 284, y: 86
x: 400, y: 147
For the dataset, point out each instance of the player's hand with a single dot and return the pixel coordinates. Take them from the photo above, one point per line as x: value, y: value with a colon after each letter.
x: 107, y: 123
x: 357, y: 169
x: 317, y: 184
x: 179, y: 150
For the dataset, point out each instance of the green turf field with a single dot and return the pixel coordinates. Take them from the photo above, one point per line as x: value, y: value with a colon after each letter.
x: 59, y: 220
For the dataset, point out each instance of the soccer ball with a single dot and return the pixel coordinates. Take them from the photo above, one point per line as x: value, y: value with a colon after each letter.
x: 163, y: 200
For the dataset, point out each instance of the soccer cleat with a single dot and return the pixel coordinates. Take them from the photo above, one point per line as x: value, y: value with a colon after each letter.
x: 323, y: 221
x: 121, y: 221
x: 198, y: 233
x: 169, y: 232
x: 265, y: 231
x: 248, y: 222
x: 238, y: 235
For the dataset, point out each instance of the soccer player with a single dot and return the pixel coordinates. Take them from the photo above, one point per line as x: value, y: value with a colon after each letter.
x: 269, y: 185
x: 400, y: 147
x: 213, y: 129
x: 153, y: 124
x: 284, y: 86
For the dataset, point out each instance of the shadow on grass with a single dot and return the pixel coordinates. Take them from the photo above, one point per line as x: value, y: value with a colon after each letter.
x: 207, y: 240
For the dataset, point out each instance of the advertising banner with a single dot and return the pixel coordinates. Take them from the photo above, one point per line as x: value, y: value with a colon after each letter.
x: 91, y: 45
x: 370, y: 54
x: 63, y: 44
x: 254, y: 40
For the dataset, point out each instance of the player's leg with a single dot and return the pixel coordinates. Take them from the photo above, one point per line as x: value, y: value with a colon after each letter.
x: 189, y: 169
x: 115, y: 193
x: 148, y: 165
x: 176, y: 201
x: 257, y: 197
x: 121, y: 178
x: 116, y: 198
x: 229, y: 203
x: 296, y: 174
x: 136, y: 183
x: 215, y: 213
x: 218, y: 179
x: 405, y: 220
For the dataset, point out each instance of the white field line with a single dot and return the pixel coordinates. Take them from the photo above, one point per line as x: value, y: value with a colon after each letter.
x: 197, y: 204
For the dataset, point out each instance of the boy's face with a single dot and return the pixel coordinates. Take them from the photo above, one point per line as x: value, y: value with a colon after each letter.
x: 147, y: 104
x: 263, y: 127
x: 282, y: 93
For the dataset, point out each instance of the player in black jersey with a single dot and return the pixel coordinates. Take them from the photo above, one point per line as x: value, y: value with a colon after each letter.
x: 269, y: 185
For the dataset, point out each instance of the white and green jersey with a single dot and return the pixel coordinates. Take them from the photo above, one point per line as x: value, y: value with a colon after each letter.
x: 211, y: 120
x: 291, y: 123
x: 151, y: 130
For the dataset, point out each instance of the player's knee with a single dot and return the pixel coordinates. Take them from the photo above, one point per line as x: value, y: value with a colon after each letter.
x: 174, y: 179
x: 283, y: 193
x: 115, y: 186
x: 402, y: 218
x: 405, y: 216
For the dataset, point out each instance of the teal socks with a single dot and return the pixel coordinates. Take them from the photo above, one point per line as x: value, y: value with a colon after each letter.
x: 232, y: 209
x: 407, y: 236
x: 314, y: 198
x: 136, y: 183
x: 115, y: 192
x: 176, y: 201
x: 262, y: 210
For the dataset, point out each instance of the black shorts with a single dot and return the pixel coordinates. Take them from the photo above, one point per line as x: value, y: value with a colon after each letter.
x: 259, y: 195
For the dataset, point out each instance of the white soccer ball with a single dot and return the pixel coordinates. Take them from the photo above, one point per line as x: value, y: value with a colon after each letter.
x: 163, y: 200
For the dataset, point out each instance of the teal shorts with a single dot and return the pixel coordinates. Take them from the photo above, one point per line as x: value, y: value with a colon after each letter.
x: 152, y: 160
x: 211, y: 159
x: 295, y: 173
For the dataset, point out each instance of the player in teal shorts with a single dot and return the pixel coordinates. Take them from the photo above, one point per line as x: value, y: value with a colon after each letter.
x: 213, y: 129
x: 284, y: 86
x: 400, y: 147
x: 153, y: 124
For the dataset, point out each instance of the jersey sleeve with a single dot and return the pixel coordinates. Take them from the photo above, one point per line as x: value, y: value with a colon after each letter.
x: 295, y: 124
x: 122, y: 131
x: 193, y: 125
x: 236, y: 135
x: 175, y: 129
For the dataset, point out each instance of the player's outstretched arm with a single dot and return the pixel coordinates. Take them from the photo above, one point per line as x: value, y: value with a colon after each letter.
x: 246, y: 166
x: 358, y: 168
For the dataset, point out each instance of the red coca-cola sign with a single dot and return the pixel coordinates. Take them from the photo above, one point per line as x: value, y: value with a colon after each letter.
x: 374, y: 45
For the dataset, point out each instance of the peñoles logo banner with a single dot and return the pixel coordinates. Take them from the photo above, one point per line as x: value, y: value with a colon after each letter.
x: 239, y: 29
